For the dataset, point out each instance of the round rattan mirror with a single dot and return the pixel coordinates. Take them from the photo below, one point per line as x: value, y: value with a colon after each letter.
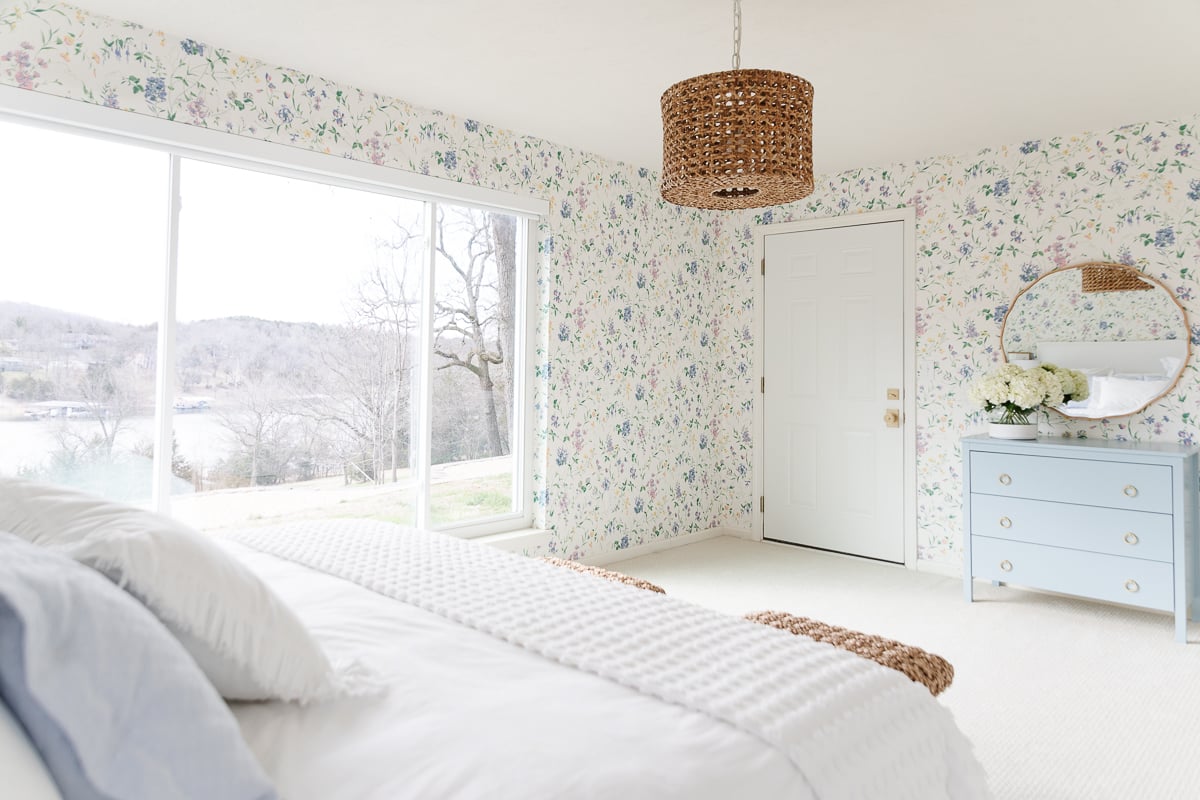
x: 1123, y: 329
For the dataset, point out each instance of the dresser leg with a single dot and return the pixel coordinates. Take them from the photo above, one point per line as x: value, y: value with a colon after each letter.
x: 969, y: 589
x: 995, y: 583
x: 1181, y: 627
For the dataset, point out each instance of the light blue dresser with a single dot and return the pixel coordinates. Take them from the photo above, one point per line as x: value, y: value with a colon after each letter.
x: 1112, y: 521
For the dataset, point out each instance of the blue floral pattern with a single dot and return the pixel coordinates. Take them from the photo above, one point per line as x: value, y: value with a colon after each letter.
x: 636, y: 368
x: 645, y: 381
x: 987, y: 226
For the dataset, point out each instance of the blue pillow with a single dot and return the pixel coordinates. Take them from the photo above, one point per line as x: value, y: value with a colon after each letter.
x: 114, y: 704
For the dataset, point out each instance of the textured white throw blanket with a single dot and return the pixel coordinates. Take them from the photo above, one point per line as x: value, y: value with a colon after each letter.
x: 854, y: 729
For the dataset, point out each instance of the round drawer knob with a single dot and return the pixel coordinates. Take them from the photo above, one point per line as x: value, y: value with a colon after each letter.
x: 1131, y: 491
x: 1005, y: 479
x: 1006, y: 565
x: 1131, y: 538
x: 1131, y: 586
x: 1005, y: 522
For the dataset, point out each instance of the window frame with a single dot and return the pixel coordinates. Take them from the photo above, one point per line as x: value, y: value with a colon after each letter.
x: 180, y: 141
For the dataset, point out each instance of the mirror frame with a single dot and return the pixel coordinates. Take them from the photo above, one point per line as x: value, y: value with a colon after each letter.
x: 1140, y: 276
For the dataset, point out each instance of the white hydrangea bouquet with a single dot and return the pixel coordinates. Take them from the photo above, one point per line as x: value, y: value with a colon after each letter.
x: 1016, y: 392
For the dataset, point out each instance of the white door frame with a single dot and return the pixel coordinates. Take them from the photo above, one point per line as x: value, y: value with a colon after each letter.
x: 908, y: 409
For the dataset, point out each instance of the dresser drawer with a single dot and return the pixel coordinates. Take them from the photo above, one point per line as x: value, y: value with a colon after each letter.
x: 1135, y: 534
x: 1112, y: 484
x: 1137, y: 582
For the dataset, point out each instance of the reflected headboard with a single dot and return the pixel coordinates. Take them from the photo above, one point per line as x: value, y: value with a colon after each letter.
x: 1141, y: 358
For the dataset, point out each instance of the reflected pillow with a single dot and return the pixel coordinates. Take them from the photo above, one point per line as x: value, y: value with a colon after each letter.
x: 1124, y: 395
x: 248, y: 642
x: 114, y: 705
x: 1095, y: 378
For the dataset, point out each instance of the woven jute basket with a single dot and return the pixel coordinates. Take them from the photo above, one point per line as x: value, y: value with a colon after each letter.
x: 737, y: 139
x: 1103, y: 277
x: 920, y: 666
x: 606, y: 574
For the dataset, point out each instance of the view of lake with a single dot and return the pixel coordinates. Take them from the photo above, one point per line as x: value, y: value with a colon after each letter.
x: 201, y: 437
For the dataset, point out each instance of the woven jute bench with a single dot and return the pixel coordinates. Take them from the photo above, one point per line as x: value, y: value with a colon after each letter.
x: 919, y: 665
x: 607, y: 574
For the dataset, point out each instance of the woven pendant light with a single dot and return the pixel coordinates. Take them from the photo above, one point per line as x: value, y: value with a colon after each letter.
x: 737, y: 139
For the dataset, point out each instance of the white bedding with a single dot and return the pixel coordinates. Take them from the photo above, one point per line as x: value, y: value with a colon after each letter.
x: 467, y: 714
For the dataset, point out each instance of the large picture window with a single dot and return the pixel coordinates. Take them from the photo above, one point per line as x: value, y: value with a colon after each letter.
x: 331, y: 350
x: 84, y: 232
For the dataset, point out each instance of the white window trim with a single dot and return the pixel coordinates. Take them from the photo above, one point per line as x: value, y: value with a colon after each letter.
x: 180, y: 140
x: 164, y: 373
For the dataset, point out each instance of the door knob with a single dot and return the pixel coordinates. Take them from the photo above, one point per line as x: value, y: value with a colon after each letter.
x: 891, y: 418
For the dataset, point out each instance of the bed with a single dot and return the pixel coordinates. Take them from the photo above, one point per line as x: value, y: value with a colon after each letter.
x: 1123, y: 377
x: 469, y: 672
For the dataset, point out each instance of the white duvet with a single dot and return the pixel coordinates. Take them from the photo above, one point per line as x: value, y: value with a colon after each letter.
x: 467, y: 714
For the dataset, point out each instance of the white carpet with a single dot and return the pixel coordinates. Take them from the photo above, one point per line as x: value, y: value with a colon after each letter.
x: 1062, y: 698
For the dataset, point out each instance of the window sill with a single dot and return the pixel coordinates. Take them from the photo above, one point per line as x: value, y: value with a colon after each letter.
x: 525, y: 541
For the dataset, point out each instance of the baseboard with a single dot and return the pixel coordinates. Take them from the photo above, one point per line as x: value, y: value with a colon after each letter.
x: 536, y: 541
x: 658, y: 545
x: 940, y: 568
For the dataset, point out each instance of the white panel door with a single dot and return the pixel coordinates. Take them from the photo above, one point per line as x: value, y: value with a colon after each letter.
x: 833, y: 347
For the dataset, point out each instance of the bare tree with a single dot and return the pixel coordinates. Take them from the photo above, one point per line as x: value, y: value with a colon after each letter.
x: 504, y: 233
x: 356, y: 399
x: 258, y: 418
x: 388, y: 305
x: 360, y: 392
x: 110, y: 395
x: 471, y: 318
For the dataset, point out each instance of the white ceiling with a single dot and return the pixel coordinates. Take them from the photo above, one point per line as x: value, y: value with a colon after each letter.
x: 894, y: 81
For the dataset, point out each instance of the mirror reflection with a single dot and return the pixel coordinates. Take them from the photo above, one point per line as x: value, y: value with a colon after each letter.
x: 1122, y: 329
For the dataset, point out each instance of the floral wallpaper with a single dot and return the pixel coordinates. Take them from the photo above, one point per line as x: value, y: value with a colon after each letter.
x: 645, y: 379
x: 991, y: 223
x: 636, y: 367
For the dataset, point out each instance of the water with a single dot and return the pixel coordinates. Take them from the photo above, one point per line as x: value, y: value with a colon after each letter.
x: 201, y: 437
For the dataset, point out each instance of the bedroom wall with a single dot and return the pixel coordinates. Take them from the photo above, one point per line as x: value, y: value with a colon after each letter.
x: 989, y: 224
x: 645, y: 380
x: 635, y: 360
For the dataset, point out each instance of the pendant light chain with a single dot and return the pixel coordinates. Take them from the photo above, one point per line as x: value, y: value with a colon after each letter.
x: 737, y: 34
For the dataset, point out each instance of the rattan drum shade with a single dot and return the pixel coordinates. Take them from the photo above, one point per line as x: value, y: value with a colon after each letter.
x: 737, y: 139
x: 1102, y: 277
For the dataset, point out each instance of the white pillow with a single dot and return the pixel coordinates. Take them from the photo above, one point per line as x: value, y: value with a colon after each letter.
x: 245, y: 639
x: 1126, y: 394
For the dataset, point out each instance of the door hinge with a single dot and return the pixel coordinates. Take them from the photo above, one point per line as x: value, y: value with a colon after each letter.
x: 764, y: 265
x: 762, y: 385
x: 762, y: 504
